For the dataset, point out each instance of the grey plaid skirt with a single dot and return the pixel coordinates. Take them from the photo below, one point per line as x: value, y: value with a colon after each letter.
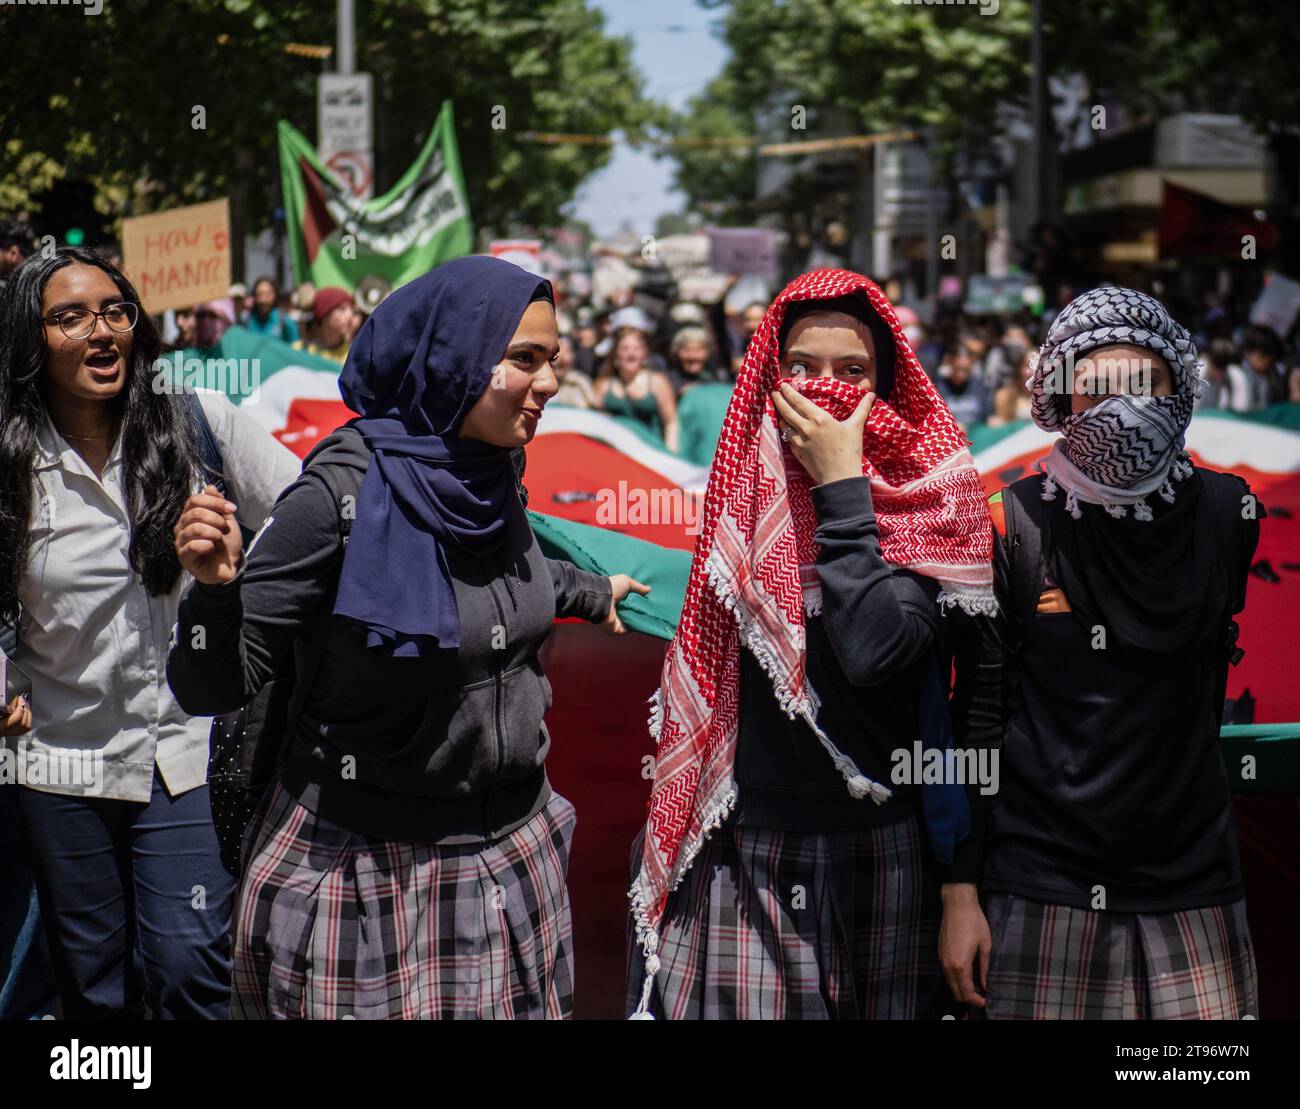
x: 331, y: 925
x: 1055, y: 962
x: 775, y: 925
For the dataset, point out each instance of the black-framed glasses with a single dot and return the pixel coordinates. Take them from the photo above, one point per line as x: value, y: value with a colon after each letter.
x: 80, y: 323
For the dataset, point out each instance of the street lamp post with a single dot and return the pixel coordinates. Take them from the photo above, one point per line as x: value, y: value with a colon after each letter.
x: 347, y: 62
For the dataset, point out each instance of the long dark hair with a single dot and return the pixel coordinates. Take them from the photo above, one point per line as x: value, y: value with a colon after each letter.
x: 158, y: 455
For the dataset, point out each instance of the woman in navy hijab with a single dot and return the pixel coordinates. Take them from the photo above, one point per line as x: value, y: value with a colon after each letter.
x: 410, y: 859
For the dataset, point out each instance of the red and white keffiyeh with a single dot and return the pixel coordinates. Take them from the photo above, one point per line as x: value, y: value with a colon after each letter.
x: 753, y: 578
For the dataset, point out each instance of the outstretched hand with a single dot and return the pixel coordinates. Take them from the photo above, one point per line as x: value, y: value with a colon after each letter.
x: 621, y: 585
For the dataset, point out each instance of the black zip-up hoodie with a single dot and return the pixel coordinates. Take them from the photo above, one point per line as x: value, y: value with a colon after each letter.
x: 446, y: 748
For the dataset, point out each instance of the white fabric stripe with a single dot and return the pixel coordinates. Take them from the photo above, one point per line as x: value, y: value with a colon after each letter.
x: 1224, y: 443
x: 282, y: 388
x: 1027, y: 439
x: 597, y: 425
x: 1220, y: 442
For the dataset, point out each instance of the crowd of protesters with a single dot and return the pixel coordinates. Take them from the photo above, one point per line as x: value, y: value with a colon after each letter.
x: 320, y: 321
x: 140, y: 614
x: 633, y: 363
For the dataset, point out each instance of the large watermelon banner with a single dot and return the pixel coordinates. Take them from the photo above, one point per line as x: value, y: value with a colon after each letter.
x: 337, y: 239
x: 608, y: 496
x: 291, y: 393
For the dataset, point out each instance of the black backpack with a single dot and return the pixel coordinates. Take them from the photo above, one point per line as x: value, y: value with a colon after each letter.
x: 246, y: 746
x: 1028, y: 541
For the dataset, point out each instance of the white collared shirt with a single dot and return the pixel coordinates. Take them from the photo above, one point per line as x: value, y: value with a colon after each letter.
x: 91, y: 637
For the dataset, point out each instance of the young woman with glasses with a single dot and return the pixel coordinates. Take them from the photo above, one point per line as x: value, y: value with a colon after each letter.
x: 95, y: 467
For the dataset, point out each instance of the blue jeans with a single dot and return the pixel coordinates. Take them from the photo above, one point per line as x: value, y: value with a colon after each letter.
x: 26, y: 980
x: 135, y: 903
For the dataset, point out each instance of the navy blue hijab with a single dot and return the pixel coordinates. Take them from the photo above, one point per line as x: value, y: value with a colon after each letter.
x: 415, y: 369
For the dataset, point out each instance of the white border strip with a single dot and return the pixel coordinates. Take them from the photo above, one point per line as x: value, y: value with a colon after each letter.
x: 603, y: 428
x: 282, y: 388
x: 1220, y: 442
x: 1227, y: 444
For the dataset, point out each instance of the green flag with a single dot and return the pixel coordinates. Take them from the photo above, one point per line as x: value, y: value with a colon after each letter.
x: 337, y: 239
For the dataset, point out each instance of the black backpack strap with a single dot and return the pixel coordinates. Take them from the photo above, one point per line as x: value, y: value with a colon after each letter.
x: 209, y: 451
x: 1027, y: 543
x: 206, y: 442
x: 1227, y: 493
x: 1026, y: 540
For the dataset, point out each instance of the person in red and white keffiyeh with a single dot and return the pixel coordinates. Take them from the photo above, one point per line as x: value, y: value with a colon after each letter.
x: 843, y: 515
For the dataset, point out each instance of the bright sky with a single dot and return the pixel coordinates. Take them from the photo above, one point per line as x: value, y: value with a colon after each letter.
x: 677, y: 54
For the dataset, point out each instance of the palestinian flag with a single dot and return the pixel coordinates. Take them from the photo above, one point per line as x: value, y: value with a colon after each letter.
x: 607, y: 496
x: 605, y: 493
x: 337, y: 239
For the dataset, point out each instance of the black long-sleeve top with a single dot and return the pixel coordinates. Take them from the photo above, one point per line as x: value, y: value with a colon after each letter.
x: 449, y: 747
x: 865, y: 654
x: 1113, y: 792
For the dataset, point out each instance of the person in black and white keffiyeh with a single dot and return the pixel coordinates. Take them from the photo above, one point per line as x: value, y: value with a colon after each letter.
x: 1128, y: 443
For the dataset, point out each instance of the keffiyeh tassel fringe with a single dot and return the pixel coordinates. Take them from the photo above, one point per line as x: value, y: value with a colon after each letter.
x: 859, y: 785
x: 649, y: 941
x: 973, y: 603
x: 1072, y: 503
x: 646, y: 936
x: 1142, y: 510
x: 656, y: 721
x: 1049, y: 489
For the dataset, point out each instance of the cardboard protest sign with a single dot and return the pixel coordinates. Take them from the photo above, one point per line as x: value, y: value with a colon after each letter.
x: 180, y: 257
x: 743, y: 250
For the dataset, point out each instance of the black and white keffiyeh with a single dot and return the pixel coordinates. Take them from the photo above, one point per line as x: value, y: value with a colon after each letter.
x: 1126, y: 447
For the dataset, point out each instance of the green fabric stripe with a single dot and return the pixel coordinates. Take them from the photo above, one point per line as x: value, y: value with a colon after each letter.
x: 700, y: 413
x: 1274, y: 754
x: 273, y: 354
x: 1275, y: 415
x: 263, y: 357
x: 601, y: 551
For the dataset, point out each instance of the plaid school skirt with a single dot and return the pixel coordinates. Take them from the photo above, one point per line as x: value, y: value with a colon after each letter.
x: 1055, y: 962
x: 330, y: 924
x: 774, y: 925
